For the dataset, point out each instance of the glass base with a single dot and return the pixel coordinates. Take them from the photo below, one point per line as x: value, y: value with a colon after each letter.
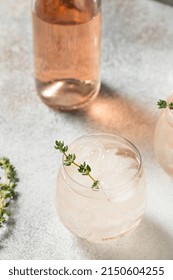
x: 67, y: 94
x: 108, y: 239
x: 126, y: 233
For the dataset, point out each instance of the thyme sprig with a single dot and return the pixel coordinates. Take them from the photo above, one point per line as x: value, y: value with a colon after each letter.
x: 7, y: 186
x: 83, y: 168
x: 163, y: 104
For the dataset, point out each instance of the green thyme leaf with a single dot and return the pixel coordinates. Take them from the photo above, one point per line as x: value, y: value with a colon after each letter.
x: 61, y: 147
x: 171, y: 105
x: 69, y: 159
x: 163, y: 104
x: 95, y: 185
x: 7, y: 187
x: 84, y: 168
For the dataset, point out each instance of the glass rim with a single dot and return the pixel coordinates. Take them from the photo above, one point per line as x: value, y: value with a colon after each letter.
x: 118, y: 138
x: 170, y: 111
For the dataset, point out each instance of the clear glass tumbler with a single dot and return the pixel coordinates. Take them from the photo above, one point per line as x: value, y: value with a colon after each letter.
x: 66, y: 36
x: 118, y: 206
x: 163, y: 139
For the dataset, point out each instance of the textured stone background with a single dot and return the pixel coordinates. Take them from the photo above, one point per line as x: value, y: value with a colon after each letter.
x: 137, y: 61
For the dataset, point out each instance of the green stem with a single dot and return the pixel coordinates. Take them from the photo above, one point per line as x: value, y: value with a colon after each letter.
x: 91, y: 177
x: 76, y: 164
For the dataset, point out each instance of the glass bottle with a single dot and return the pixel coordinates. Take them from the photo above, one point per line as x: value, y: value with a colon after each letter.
x: 163, y: 139
x: 117, y: 207
x: 66, y: 35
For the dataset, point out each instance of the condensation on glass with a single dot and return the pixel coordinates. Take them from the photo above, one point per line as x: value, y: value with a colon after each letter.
x: 66, y: 36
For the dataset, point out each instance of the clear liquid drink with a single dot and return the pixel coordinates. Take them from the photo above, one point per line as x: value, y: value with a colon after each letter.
x: 66, y: 35
x: 163, y: 140
x: 118, y: 206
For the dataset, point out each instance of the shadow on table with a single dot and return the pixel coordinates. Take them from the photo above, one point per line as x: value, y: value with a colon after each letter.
x: 113, y: 112
x: 167, y: 2
x: 148, y: 241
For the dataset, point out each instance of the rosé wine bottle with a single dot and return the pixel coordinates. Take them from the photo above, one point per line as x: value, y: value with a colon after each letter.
x: 66, y: 35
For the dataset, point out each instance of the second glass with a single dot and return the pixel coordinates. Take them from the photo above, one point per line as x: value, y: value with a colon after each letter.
x: 163, y: 139
x: 66, y: 35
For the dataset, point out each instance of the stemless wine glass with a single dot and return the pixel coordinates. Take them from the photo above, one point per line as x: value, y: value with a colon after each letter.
x: 117, y: 207
x: 163, y: 139
x: 66, y: 35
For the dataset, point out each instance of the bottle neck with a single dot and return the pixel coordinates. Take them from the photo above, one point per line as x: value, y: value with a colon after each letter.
x: 66, y: 12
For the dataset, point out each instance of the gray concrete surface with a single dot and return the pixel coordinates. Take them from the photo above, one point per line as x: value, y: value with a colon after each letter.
x: 137, y: 61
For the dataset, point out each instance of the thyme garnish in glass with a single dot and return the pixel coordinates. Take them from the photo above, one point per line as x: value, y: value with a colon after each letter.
x: 163, y: 104
x: 84, y: 168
